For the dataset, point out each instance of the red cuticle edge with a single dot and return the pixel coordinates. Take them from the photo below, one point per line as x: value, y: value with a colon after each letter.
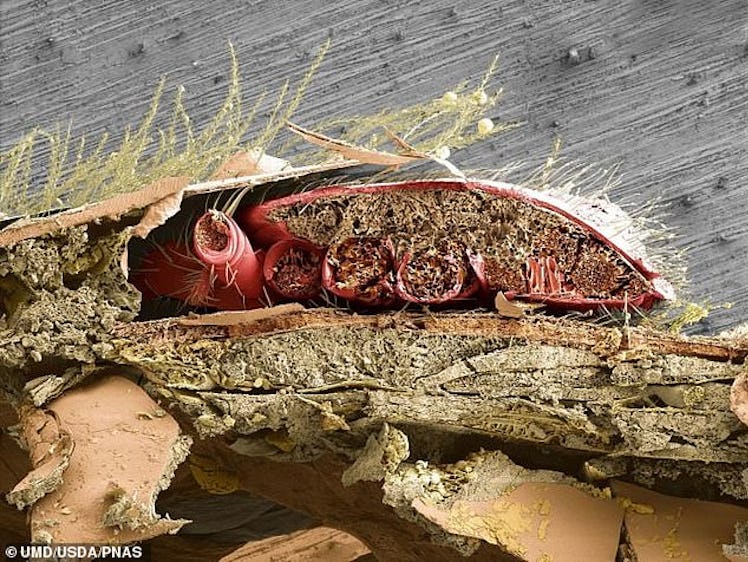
x: 293, y: 269
x: 260, y: 228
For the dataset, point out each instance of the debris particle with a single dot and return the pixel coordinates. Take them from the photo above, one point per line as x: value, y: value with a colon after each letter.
x: 572, y: 57
x: 485, y: 126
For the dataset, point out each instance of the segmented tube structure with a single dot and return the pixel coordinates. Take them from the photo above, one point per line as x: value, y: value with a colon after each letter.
x: 219, y: 270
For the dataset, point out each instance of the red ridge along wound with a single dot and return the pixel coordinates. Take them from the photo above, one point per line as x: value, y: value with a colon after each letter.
x: 360, y: 269
x: 542, y: 248
x: 293, y: 269
x: 224, y: 248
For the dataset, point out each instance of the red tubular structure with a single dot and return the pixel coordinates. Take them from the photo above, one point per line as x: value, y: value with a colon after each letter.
x: 360, y: 269
x: 293, y: 269
x: 221, y: 270
x: 435, y: 276
x: 264, y: 232
x: 224, y: 248
x: 172, y: 271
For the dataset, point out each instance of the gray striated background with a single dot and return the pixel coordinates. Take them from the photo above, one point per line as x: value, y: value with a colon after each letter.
x: 660, y: 86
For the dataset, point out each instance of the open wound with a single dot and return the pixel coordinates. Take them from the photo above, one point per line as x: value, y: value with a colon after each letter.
x: 443, y: 243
